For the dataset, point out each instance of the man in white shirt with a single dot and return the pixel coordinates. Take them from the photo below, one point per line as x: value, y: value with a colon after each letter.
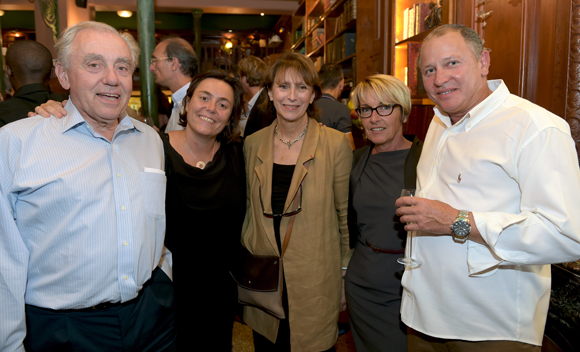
x: 252, y: 71
x: 173, y: 64
x: 498, y: 199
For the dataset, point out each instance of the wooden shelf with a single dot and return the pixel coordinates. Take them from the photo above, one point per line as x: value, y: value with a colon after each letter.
x: 346, y: 59
x: 416, y: 38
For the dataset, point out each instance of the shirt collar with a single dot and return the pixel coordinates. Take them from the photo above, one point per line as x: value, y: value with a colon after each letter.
x: 328, y: 96
x: 254, y: 98
x: 73, y: 119
x: 177, y: 97
x: 500, y: 93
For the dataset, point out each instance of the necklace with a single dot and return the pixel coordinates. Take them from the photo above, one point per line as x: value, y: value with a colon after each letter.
x: 289, y: 143
x: 200, y: 164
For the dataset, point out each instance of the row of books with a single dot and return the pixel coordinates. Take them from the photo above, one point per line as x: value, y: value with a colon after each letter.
x: 341, y: 47
x: 414, y: 80
x: 318, y: 62
x: 348, y: 14
x: 414, y: 19
x: 328, y: 4
x: 318, y: 38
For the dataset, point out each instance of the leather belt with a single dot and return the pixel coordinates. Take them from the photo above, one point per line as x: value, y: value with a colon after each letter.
x: 380, y: 250
x: 105, y: 305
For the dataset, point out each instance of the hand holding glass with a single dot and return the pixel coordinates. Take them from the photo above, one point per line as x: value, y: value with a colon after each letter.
x: 408, y: 260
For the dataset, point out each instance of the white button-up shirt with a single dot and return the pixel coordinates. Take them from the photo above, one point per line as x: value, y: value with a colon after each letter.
x: 177, y: 100
x: 514, y: 165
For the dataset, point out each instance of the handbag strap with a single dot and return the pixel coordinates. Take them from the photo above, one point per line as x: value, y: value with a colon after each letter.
x: 294, y: 206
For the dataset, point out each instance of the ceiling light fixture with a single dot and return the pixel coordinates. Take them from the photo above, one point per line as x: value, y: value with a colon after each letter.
x: 1, y: 13
x: 262, y: 14
x: 125, y: 13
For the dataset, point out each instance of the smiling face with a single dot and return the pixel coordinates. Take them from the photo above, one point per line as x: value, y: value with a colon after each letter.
x: 210, y: 107
x: 386, y: 132
x: 291, y: 96
x: 453, y: 77
x: 99, y: 76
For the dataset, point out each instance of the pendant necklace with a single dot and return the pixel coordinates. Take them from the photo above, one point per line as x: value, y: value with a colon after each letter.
x: 200, y: 164
x: 289, y: 143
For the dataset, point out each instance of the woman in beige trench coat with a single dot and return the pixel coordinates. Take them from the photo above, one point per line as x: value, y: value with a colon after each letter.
x: 318, y: 248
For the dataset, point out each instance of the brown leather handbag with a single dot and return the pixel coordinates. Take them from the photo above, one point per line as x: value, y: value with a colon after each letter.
x: 260, y: 277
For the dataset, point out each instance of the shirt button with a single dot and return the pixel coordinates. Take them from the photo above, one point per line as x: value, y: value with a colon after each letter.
x: 125, y: 243
x: 125, y: 277
x: 436, y: 162
x: 118, y: 174
x: 409, y: 294
x: 469, y: 125
x: 123, y: 207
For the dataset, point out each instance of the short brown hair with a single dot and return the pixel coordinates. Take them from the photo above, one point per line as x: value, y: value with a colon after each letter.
x: 253, y: 69
x: 472, y: 39
x: 304, y: 67
x: 330, y: 76
x: 231, y: 133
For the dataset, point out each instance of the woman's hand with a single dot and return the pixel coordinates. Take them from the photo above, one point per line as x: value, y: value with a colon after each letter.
x: 51, y: 107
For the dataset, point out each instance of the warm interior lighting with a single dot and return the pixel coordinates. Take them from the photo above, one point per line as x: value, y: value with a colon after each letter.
x: 262, y: 14
x: 229, y: 45
x: 125, y: 14
x: 1, y: 13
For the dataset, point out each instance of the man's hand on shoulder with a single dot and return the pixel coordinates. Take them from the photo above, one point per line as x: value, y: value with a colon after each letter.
x: 51, y: 107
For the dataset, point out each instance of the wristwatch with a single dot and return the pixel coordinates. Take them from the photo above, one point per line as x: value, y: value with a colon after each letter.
x: 460, y: 229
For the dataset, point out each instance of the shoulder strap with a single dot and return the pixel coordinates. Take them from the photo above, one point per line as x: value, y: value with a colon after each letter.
x: 294, y: 206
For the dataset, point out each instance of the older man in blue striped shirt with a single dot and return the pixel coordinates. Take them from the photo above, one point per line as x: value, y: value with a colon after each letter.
x: 82, y: 219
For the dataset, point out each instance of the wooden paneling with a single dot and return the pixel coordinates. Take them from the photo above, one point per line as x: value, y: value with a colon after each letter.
x: 372, y: 42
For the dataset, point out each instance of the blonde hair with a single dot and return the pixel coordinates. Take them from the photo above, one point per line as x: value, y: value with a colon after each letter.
x: 388, y: 89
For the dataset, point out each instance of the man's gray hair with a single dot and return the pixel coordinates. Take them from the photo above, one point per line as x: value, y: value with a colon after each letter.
x: 472, y: 39
x: 63, y: 45
x: 180, y: 49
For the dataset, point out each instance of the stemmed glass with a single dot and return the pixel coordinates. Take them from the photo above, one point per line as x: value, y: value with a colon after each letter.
x: 408, y: 260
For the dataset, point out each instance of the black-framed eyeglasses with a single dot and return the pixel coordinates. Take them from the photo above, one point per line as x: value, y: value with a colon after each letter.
x: 382, y: 110
x: 269, y: 215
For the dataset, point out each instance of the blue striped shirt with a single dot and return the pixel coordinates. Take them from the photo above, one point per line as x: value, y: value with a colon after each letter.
x: 82, y: 218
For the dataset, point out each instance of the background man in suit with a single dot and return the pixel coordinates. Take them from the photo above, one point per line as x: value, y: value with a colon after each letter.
x: 251, y: 75
x: 28, y: 66
x: 333, y: 114
x: 174, y: 64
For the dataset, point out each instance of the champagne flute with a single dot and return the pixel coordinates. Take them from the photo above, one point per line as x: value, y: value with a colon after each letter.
x: 408, y: 260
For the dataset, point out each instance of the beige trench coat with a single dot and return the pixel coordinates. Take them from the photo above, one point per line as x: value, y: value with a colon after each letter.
x: 318, y: 246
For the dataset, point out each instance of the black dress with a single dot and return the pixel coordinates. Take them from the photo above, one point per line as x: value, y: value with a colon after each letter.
x: 205, y: 211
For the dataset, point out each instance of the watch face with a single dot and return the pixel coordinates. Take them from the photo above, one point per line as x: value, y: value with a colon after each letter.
x: 461, y: 229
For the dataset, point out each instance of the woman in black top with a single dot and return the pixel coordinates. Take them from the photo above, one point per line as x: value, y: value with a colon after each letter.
x: 205, y: 208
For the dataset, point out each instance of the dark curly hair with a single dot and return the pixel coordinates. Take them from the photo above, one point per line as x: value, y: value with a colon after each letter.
x: 231, y: 133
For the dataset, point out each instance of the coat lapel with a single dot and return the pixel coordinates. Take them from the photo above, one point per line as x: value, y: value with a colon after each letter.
x: 263, y: 171
x: 306, y: 153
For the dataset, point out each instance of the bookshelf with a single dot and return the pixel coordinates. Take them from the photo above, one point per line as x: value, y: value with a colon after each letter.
x: 325, y: 31
x: 409, y: 29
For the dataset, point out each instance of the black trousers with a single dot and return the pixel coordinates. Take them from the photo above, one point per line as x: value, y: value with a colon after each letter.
x: 144, y: 324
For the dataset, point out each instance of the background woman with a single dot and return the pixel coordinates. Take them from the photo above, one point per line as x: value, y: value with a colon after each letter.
x: 380, y: 171
x: 205, y: 206
x: 318, y: 245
